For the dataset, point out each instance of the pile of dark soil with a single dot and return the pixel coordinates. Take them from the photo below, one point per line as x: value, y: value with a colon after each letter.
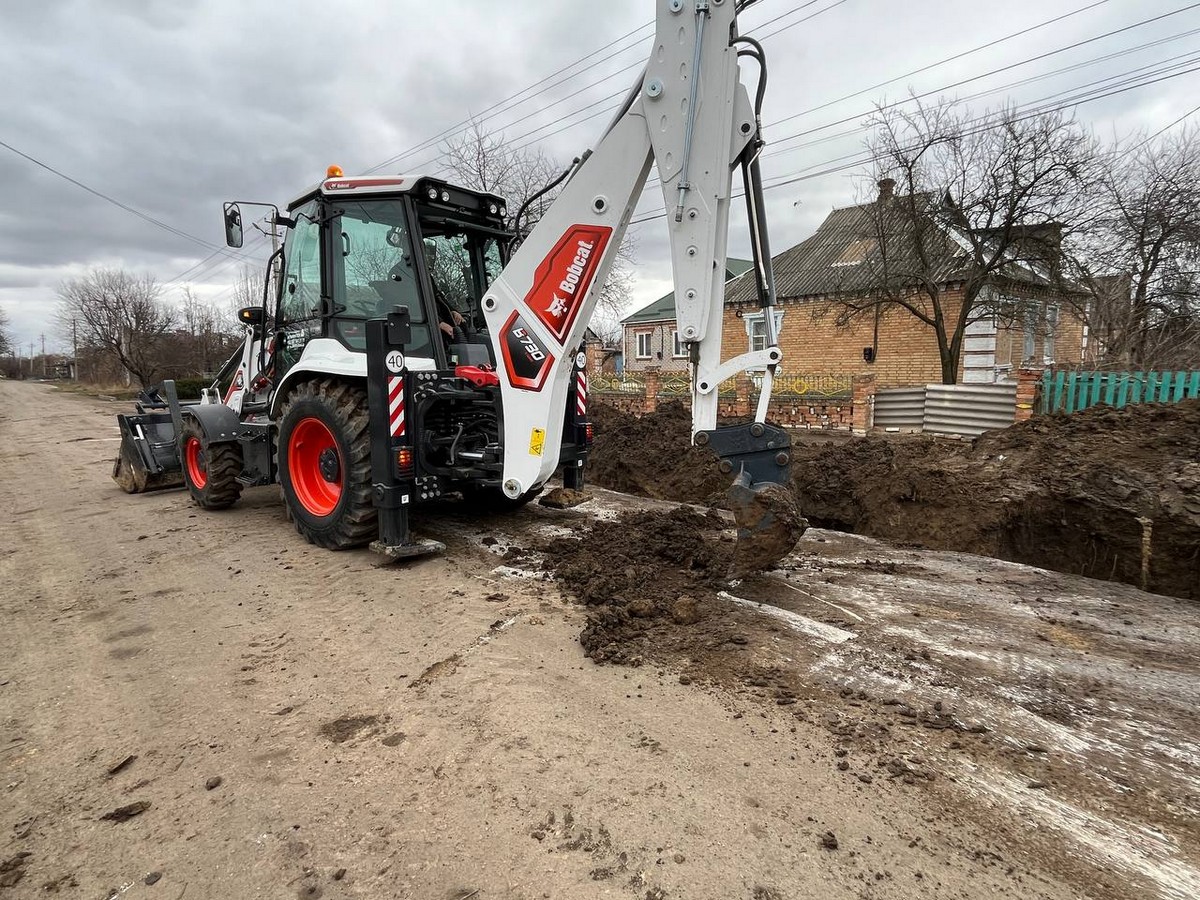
x: 1112, y: 494
x: 642, y: 575
x: 653, y: 456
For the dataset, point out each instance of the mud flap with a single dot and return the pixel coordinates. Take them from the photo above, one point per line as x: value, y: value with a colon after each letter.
x: 149, y: 456
x: 768, y: 516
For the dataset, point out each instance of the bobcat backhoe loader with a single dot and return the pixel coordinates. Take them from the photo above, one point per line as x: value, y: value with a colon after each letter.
x: 406, y: 349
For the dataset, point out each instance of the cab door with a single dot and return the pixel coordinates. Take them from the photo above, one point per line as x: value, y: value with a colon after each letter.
x: 299, y: 314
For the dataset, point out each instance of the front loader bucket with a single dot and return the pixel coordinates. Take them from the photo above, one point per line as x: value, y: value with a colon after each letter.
x: 149, y: 456
x: 769, y: 524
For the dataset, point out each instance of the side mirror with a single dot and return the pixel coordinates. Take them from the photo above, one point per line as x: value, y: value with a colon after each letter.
x: 233, y: 225
x: 251, y: 315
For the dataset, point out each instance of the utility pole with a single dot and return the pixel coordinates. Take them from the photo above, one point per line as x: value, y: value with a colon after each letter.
x: 31, y: 359
x: 74, y: 350
x: 44, y: 356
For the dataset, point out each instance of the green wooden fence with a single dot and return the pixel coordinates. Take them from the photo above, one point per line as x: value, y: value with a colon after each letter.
x: 1070, y: 392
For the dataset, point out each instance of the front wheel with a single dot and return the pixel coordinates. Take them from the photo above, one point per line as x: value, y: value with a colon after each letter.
x: 325, y: 464
x: 211, y: 472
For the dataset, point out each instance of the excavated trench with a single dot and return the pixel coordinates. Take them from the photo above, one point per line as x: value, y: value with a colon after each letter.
x: 1110, y: 494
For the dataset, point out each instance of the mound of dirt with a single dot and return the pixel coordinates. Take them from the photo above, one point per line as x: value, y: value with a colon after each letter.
x: 1112, y: 494
x: 653, y: 456
x: 642, y: 574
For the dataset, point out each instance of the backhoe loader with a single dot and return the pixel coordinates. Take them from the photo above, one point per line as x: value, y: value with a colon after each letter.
x: 407, y: 347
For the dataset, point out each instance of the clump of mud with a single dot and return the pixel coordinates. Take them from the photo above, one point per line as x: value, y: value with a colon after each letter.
x: 644, y: 574
x: 1111, y: 494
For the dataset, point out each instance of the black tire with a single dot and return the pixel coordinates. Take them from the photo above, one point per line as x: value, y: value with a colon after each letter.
x: 328, y: 499
x: 492, y: 500
x: 210, y: 473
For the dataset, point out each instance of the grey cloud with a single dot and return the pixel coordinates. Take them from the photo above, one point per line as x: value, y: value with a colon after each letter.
x: 173, y: 107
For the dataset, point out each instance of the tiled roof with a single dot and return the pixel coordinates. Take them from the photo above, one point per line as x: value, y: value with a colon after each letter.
x: 664, y: 307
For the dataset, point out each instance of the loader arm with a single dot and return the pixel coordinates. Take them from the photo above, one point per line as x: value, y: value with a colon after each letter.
x: 690, y: 115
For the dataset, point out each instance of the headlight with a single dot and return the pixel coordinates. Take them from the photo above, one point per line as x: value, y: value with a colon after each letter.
x: 445, y: 196
x: 433, y: 193
x: 494, y: 209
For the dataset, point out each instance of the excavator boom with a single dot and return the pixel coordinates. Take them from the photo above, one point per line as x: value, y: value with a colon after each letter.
x: 690, y: 116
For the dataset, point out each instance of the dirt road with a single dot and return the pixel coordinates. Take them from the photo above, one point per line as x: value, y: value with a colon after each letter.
x: 952, y: 727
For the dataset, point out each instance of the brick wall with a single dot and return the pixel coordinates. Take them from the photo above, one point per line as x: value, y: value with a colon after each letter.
x: 812, y: 341
x: 661, y: 342
x: 907, y: 353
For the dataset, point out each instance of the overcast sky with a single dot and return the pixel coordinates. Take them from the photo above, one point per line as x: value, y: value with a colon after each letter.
x: 171, y: 107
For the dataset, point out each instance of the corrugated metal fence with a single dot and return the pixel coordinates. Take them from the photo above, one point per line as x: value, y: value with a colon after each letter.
x: 962, y: 410
x: 901, y: 409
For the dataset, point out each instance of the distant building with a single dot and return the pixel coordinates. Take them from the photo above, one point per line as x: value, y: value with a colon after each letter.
x: 650, y: 335
x: 602, y: 358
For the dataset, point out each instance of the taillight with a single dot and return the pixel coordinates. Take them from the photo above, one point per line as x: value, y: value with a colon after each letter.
x: 589, y: 432
x: 404, y: 462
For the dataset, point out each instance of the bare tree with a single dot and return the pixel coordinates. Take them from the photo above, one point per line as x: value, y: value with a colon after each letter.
x: 6, y: 344
x: 121, y: 315
x: 1142, y: 262
x: 970, y: 206
x: 485, y: 161
x: 208, y: 335
x: 248, y: 289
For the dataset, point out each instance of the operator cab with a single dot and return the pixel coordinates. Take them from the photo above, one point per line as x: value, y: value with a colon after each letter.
x: 359, y: 248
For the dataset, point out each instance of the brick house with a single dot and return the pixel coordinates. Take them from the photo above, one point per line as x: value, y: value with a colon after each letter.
x: 650, y: 336
x: 830, y: 320
x: 602, y: 357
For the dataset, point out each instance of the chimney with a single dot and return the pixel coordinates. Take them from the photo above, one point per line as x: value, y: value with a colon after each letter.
x: 887, y: 188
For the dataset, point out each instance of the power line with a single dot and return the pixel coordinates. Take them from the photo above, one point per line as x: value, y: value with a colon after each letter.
x: 430, y: 141
x: 616, y: 94
x: 1161, y: 131
x: 777, y: 150
x: 948, y: 59
x: 115, y: 202
x: 859, y: 159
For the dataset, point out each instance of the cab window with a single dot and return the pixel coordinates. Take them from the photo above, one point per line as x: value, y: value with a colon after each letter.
x: 373, y: 271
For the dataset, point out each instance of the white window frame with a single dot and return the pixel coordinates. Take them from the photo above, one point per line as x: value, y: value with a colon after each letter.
x: 678, y: 351
x: 1052, y: 320
x: 752, y: 320
x: 1029, y: 320
x: 649, y: 342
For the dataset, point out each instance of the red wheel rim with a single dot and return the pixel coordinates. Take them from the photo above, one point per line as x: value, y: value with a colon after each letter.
x: 315, y: 467
x: 197, y: 465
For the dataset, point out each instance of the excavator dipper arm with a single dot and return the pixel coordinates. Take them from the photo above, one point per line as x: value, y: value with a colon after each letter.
x: 690, y: 115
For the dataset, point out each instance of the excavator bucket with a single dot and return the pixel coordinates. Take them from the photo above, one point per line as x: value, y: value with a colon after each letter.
x: 769, y: 524
x: 149, y: 456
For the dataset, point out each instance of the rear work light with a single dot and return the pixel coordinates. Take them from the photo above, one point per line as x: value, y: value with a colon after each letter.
x: 404, y: 462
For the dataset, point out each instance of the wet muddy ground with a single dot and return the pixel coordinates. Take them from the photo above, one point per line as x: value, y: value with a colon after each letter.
x: 569, y: 703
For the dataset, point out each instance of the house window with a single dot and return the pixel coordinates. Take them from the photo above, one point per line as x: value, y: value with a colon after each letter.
x: 643, y: 345
x: 758, y: 334
x: 756, y: 328
x: 1051, y: 330
x: 677, y: 348
x: 1031, y: 327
